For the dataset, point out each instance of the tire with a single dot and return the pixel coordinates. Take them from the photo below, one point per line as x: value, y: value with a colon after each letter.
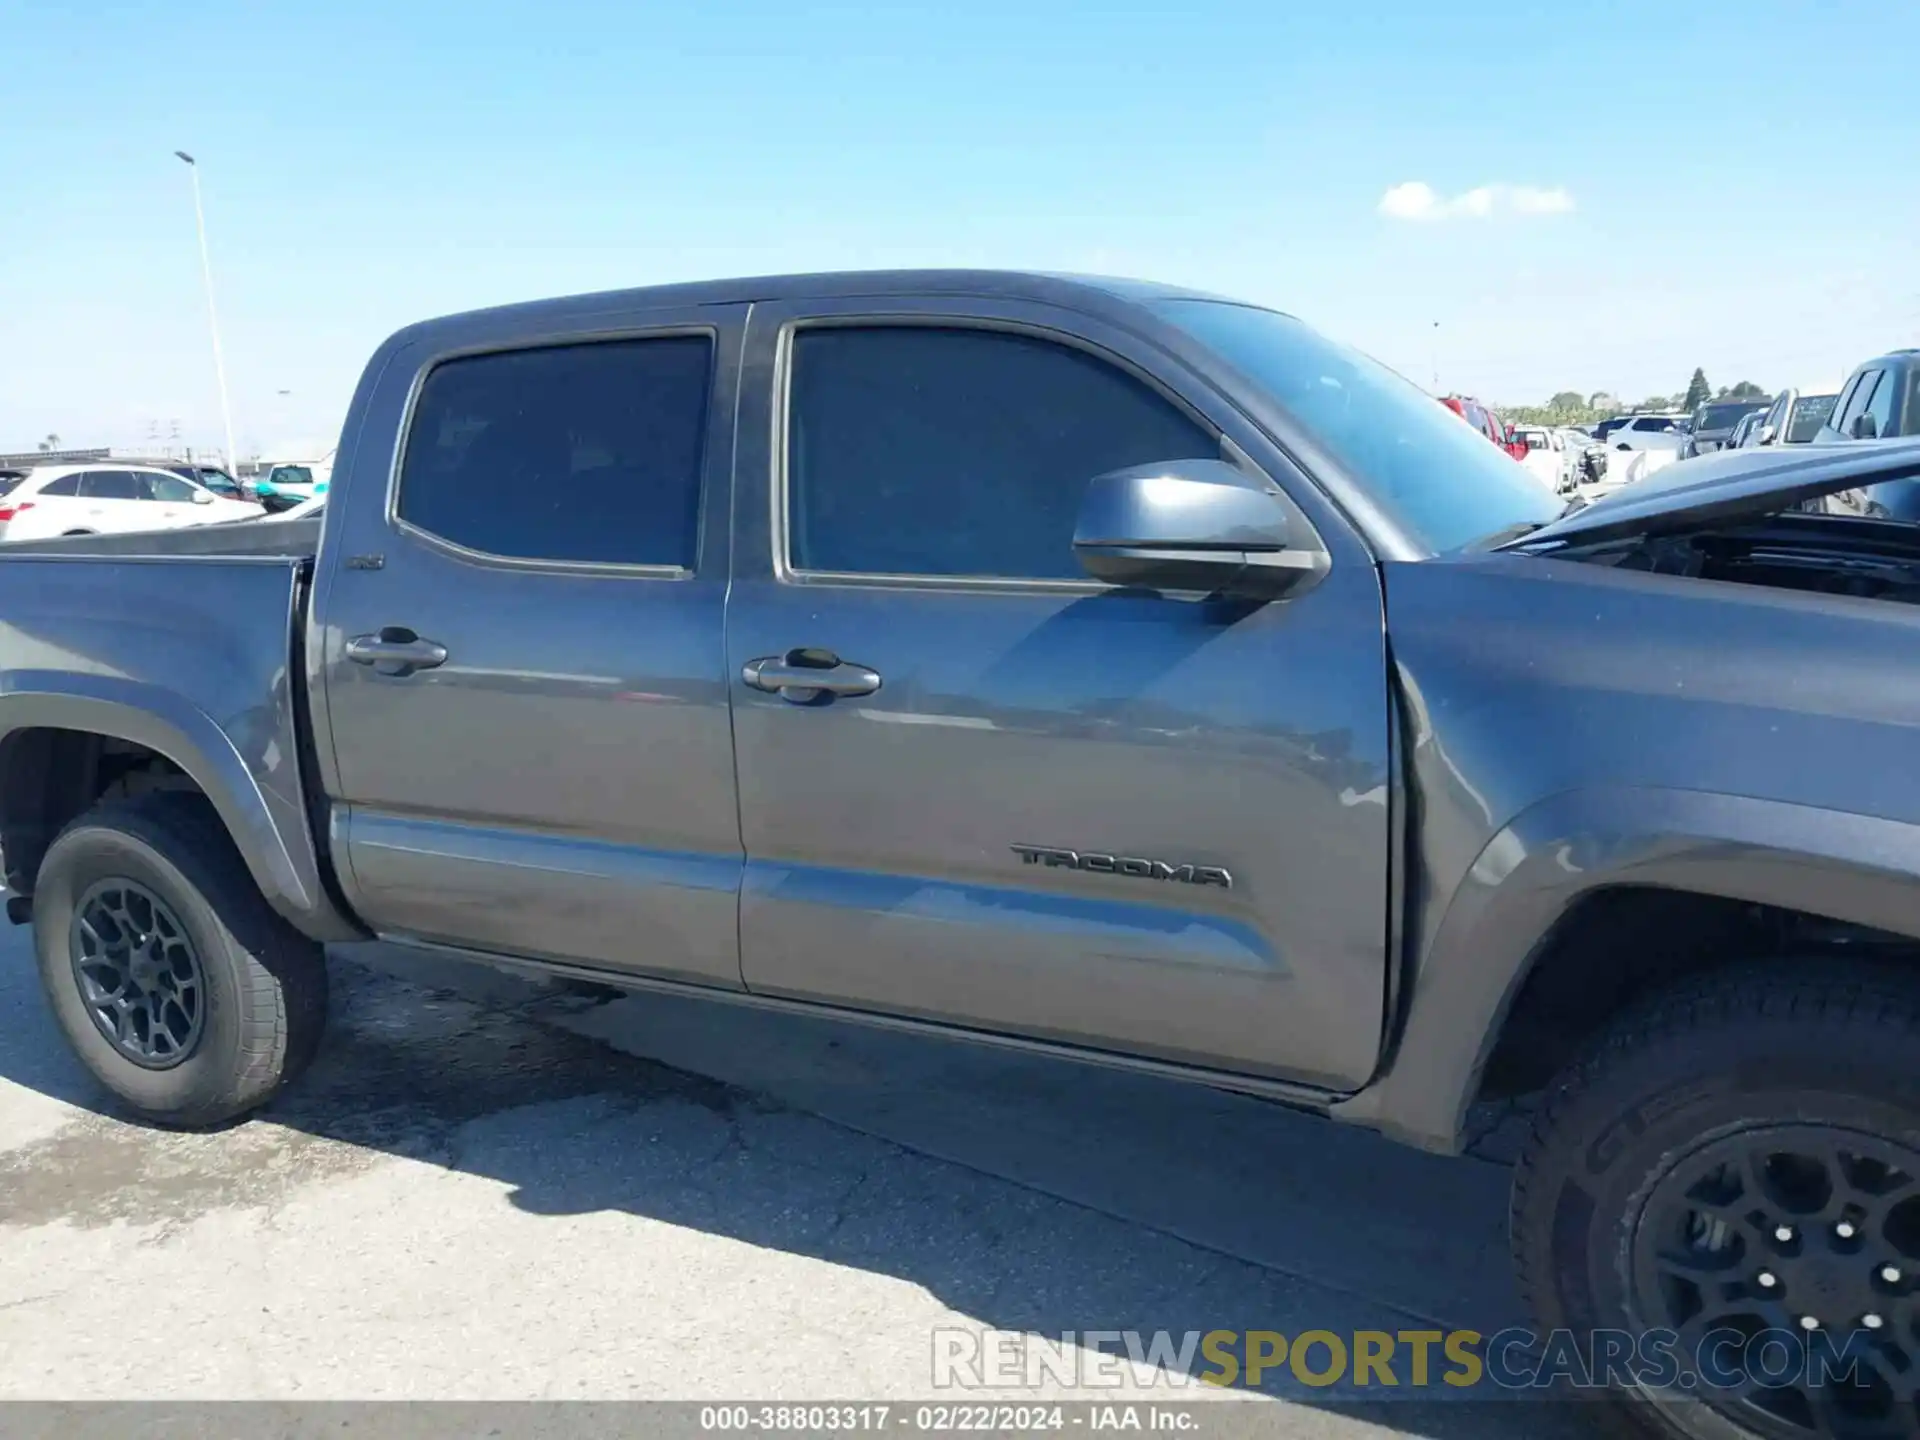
x: 1622, y: 1172
x: 259, y: 1001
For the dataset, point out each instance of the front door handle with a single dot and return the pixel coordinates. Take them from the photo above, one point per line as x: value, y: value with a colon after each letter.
x: 804, y: 676
x: 396, y: 650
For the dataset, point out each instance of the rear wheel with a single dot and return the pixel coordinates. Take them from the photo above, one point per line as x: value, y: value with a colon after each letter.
x: 175, y: 982
x: 1738, y: 1167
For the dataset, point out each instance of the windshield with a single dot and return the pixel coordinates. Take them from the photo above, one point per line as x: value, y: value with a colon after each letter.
x: 1439, y: 480
x: 1720, y: 417
x: 1809, y: 414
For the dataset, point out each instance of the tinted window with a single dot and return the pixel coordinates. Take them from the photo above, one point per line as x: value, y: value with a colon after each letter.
x: 7, y: 482
x: 66, y: 485
x: 109, y: 485
x: 1442, y: 484
x: 1659, y: 423
x: 1910, y: 407
x: 1720, y: 417
x: 921, y: 451
x: 1878, y: 404
x: 1853, y: 395
x: 577, y: 452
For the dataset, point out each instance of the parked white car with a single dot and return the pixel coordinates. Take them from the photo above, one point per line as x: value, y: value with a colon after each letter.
x: 1546, y: 457
x: 105, y: 499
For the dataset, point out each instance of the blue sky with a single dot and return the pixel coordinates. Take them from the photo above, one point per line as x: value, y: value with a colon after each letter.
x: 1725, y: 185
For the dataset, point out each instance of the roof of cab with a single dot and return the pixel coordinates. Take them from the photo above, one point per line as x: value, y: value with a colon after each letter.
x: 1095, y: 294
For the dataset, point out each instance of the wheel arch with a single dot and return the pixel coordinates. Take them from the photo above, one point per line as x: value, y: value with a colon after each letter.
x: 1546, y: 869
x: 265, y: 819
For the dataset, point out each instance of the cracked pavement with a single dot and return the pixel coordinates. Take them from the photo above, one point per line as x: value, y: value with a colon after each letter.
x: 486, y: 1189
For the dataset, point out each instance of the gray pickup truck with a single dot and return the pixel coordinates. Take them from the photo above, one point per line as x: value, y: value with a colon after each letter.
x: 1088, y: 667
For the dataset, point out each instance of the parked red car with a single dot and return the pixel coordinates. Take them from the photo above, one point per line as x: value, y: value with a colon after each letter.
x: 1489, y: 424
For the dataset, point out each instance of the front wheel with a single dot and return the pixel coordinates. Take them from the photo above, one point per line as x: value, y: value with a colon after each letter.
x: 174, y: 981
x: 1736, y: 1171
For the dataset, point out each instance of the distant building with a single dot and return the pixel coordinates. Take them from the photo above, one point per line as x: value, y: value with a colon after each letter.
x: 132, y: 454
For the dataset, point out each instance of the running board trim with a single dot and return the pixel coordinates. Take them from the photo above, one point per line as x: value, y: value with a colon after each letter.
x: 1281, y: 1092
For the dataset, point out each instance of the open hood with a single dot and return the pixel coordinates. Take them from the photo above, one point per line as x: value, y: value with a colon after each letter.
x: 1732, y: 485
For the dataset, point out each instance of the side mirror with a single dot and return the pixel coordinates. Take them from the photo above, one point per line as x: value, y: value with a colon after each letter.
x: 1193, y: 525
x: 203, y: 497
x: 1865, y: 427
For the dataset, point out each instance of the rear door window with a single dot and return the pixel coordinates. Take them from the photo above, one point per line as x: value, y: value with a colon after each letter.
x: 66, y: 487
x: 109, y: 485
x: 587, y: 454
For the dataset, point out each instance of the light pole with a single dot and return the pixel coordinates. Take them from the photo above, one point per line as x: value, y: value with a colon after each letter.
x: 1436, y: 357
x: 213, y: 318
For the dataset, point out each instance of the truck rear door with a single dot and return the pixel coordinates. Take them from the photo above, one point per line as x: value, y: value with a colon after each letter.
x: 520, y: 627
x: 978, y: 787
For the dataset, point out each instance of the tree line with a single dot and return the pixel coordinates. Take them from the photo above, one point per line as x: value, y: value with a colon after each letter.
x: 1569, y: 407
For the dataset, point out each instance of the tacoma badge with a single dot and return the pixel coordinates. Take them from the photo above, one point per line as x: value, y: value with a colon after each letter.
x: 1131, y: 866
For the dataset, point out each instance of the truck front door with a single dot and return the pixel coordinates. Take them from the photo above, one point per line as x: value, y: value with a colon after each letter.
x: 520, y: 627
x: 977, y: 787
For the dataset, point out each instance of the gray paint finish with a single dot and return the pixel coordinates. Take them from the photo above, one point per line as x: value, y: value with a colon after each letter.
x: 190, y: 658
x: 589, y: 781
x: 563, y: 784
x: 879, y: 829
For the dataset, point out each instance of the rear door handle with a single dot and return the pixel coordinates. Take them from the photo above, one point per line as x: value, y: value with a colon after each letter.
x: 804, y: 676
x: 396, y: 650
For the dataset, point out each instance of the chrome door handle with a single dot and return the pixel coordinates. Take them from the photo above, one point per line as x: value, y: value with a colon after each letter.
x: 804, y: 676
x: 396, y: 651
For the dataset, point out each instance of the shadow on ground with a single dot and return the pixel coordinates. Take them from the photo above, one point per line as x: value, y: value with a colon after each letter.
x: 1025, y: 1195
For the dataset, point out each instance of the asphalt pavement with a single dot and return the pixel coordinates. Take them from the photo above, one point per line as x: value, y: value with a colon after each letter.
x: 489, y: 1190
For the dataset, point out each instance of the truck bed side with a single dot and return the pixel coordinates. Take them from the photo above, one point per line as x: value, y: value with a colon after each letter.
x: 163, y: 654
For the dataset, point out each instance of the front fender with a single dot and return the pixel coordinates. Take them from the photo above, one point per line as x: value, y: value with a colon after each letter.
x: 1848, y: 867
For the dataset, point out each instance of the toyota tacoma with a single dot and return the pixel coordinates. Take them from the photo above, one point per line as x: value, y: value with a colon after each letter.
x: 1089, y: 667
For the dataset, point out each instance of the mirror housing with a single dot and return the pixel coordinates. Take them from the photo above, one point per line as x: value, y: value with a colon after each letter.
x: 203, y: 497
x: 1865, y: 427
x: 1194, y: 525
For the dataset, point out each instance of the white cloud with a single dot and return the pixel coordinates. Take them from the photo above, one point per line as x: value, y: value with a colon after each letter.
x: 1417, y: 200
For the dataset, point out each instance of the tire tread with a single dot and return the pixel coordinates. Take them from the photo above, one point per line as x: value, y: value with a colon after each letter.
x: 284, y: 1004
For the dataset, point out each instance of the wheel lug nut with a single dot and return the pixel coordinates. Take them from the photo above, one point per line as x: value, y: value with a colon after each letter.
x: 1890, y: 1274
x: 1784, y: 1234
x: 1872, y: 1322
x: 1809, y: 1322
x: 1844, y: 1230
x: 1767, y: 1280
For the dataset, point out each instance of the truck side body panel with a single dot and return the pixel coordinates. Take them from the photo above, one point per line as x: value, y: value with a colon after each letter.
x: 1575, y: 727
x: 189, y: 657
x: 1015, y: 831
x: 561, y: 787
